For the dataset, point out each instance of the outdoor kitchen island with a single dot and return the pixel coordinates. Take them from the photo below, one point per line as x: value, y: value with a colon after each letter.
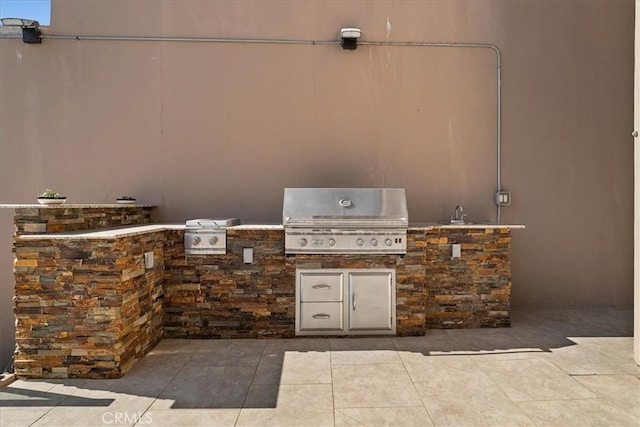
x: 89, y: 303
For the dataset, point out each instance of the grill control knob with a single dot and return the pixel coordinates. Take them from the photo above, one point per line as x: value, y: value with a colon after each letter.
x: 196, y: 240
x: 303, y: 242
x: 388, y: 242
x: 374, y: 242
x: 332, y: 242
x: 213, y: 240
x: 359, y: 242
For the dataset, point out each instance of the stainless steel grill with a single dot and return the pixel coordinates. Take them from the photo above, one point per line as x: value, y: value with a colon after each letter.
x: 345, y: 220
x: 206, y: 236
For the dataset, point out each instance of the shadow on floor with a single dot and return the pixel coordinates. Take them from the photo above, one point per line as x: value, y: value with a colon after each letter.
x: 249, y: 373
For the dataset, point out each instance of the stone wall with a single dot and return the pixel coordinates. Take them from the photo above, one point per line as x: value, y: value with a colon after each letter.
x: 217, y: 296
x: 86, y: 308
x: 61, y: 218
x: 473, y: 290
x: 90, y: 308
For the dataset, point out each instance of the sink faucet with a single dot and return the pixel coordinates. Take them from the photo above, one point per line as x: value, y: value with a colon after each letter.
x: 458, y: 215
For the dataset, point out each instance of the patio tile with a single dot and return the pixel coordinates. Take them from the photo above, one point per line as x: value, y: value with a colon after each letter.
x: 144, y: 381
x: 440, y: 368
x: 262, y: 396
x: 375, y: 386
x: 435, y: 340
x: 206, y: 387
x: 484, y: 339
x: 83, y: 416
x: 269, y: 369
x: 357, y: 344
x: 298, y: 344
x: 470, y: 401
x: 227, y: 353
x: 176, y: 346
x: 20, y: 416
x: 38, y: 385
x: 108, y: 400
x: 533, y: 379
x: 306, y: 368
x: 38, y: 393
x: 190, y: 418
x: 579, y: 413
x: 296, y: 405
x: 539, y: 337
x: 444, y: 378
x: 380, y: 417
x: 621, y: 391
x: 364, y: 357
x: 589, y: 358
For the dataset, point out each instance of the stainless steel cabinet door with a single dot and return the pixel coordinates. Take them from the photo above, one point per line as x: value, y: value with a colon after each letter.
x: 370, y: 300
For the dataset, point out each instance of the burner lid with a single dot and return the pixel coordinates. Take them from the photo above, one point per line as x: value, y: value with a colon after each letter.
x: 345, y: 207
x: 212, y: 222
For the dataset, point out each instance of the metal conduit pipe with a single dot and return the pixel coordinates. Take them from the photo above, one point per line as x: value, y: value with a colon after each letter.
x: 330, y: 42
x: 498, y: 94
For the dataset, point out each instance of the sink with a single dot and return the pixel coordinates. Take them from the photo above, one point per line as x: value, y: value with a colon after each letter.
x: 458, y: 221
x: 462, y: 223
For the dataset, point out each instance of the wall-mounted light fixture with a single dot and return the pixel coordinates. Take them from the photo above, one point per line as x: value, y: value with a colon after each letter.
x: 30, y: 30
x: 350, y: 38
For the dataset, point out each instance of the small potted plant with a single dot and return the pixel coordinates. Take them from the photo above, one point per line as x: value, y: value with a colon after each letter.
x: 126, y: 199
x: 50, y: 197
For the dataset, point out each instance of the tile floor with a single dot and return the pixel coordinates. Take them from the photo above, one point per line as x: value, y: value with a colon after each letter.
x: 553, y: 367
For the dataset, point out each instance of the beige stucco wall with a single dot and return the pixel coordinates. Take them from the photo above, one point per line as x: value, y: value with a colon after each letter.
x: 210, y: 129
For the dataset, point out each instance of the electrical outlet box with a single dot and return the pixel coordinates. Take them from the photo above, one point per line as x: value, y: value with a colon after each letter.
x: 247, y: 255
x: 456, y: 250
x: 149, y: 260
x: 503, y: 198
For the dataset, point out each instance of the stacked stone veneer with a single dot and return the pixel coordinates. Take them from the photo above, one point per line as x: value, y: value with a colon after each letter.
x: 85, y: 308
x: 61, y: 218
x: 89, y: 308
x: 473, y: 290
x: 219, y: 296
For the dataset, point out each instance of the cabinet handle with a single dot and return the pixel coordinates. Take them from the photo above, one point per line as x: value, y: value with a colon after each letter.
x: 353, y: 301
x: 321, y: 286
x: 321, y: 316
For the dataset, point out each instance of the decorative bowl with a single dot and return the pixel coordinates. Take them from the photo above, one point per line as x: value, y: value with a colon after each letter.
x: 126, y: 200
x: 51, y: 200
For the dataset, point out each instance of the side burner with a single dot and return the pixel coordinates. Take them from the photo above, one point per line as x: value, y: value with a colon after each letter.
x: 207, y: 236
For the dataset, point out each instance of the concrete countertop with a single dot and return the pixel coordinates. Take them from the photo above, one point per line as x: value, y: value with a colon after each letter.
x: 127, y: 231
x: 72, y: 205
x: 470, y: 225
x: 111, y: 233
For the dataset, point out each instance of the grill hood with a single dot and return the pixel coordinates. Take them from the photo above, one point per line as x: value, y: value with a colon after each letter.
x: 345, y: 208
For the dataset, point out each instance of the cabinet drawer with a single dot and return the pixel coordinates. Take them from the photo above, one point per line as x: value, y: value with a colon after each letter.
x: 321, y: 286
x: 321, y: 316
